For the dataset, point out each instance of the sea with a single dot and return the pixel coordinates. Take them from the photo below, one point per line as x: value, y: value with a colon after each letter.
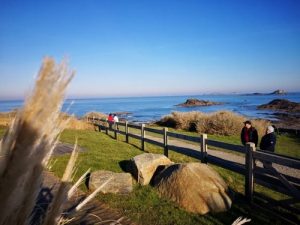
x: 149, y: 109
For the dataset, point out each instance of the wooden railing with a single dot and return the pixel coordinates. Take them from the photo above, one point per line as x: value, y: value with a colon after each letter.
x: 267, y: 177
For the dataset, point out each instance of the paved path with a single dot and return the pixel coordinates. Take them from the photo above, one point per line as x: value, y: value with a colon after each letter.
x: 64, y: 148
x: 228, y: 156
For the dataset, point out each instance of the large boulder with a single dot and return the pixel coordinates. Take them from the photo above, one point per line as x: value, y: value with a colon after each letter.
x: 195, y: 187
x: 120, y: 183
x: 145, y: 165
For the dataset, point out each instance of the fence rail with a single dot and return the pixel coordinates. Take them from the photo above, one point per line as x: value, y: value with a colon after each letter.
x: 267, y: 177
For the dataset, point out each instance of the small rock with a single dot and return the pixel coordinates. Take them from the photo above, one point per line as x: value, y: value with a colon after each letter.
x: 120, y: 183
x: 145, y: 165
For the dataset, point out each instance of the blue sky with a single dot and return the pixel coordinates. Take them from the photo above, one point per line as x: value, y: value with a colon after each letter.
x: 142, y: 48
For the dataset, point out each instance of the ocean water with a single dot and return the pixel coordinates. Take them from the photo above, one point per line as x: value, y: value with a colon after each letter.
x: 146, y: 109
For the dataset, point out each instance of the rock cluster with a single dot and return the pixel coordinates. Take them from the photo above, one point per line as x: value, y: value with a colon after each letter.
x: 195, y: 187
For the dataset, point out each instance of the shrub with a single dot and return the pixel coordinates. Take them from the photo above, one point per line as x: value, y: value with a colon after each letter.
x: 98, y: 115
x: 221, y: 123
x: 180, y: 120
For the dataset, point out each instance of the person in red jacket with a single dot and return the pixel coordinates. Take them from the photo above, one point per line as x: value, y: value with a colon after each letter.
x: 110, y: 120
x: 249, y: 133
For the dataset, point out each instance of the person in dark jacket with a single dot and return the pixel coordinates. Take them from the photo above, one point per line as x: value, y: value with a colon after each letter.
x: 249, y: 133
x: 268, y: 143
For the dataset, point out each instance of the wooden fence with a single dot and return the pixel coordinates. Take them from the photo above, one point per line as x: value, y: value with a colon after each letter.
x: 267, y: 177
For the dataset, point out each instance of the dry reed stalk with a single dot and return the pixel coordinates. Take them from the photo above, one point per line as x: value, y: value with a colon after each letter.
x: 91, y: 196
x: 240, y: 220
x: 76, y: 185
x: 27, y: 145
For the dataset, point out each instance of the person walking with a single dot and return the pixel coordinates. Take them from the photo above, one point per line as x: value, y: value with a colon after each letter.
x: 110, y: 120
x: 116, y: 121
x: 268, y: 143
x: 249, y: 133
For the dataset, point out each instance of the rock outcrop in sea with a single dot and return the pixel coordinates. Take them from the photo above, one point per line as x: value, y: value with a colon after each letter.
x: 196, y: 102
x: 282, y: 105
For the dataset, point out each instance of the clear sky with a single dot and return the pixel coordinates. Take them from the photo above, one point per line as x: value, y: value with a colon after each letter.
x: 141, y: 48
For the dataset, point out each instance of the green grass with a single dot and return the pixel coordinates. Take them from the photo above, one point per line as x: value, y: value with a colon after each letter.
x: 143, y: 205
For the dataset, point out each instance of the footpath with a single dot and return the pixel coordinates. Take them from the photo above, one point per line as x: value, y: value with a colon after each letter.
x: 229, y: 156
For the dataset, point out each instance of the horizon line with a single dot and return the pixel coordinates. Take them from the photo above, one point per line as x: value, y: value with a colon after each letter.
x: 149, y: 96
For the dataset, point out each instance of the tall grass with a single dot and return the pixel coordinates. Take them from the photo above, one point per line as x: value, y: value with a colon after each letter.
x: 98, y: 115
x: 27, y: 145
x: 74, y: 123
x: 220, y: 123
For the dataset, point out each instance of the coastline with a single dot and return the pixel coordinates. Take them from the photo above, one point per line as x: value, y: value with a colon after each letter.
x: 281, y: 120
x: 287, y: 121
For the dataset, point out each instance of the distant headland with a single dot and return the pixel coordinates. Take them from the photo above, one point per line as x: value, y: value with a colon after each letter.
x: 277, y: 92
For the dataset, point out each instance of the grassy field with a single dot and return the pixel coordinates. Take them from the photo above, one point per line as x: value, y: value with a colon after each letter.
x: 143, y: 205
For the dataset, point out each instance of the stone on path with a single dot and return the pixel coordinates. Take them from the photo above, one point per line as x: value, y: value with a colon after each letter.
x: 195, y: 187
x: 120, y: 183
x: 145, y: 165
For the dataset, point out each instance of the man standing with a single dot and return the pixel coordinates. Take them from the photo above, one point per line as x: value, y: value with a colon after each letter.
x: 249, y: 133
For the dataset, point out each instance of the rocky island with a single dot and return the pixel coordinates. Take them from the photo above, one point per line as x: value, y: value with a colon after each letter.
x: 191, y: 102
x: 281, y: 105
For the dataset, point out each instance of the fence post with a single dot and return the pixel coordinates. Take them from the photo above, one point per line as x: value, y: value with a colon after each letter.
x: 126, y: 131
x: 165, y: 137
x: 249, y: 178
x: 115, y: 130
x: 203, y: 148
x: 143, y: 137
x: 106, y: 128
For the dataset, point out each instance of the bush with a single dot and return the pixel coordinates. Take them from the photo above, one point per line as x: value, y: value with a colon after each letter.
x: 179, y: 120
x: 98, y: 115
x: 221, y: 123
